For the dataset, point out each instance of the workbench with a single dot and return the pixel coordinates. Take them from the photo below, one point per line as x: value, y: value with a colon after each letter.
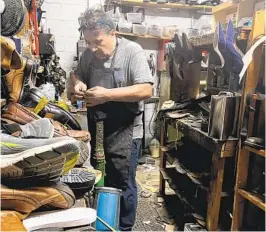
x: 220, y: 151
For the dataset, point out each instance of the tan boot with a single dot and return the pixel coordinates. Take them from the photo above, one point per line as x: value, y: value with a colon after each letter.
x: 10, y: 59
x: 16, y: 81
x: 56, y: 195
x: 11, y: 221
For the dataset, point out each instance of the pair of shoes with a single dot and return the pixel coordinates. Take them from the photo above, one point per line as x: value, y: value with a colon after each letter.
x: 37, y: 159
x: 49, y: 110
x: 230, y: 56
x: 21, y: 115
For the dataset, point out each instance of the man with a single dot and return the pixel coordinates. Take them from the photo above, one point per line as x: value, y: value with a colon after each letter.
x: 113, y: 77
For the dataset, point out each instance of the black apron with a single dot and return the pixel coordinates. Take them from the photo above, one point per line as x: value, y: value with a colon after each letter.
x: 118, y: 127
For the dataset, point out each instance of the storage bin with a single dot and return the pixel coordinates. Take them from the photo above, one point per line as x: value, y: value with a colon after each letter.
x: 125, y: 27
x: 134, y: 17
x: 169, y: 31
x: 155, y: 30
x: 139, y: 29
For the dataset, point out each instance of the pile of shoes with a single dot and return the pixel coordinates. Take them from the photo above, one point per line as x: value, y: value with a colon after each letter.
x: 44, y: 152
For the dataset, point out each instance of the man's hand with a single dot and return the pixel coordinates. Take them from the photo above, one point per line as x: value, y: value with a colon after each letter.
x: 80, y: 89
x: 96, y: 96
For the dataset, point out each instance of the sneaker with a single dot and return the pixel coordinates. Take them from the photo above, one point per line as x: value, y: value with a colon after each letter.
x: 26, y: 200
x: 37, y: 159
x: 85, y: 154
x: 60, y: 218
x: 40, y: 129
x: 80, y: 180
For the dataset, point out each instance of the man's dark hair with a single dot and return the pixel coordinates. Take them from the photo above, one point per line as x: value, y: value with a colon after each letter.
x: 96, y: 19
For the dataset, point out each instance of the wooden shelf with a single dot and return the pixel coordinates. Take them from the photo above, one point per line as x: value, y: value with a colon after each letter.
x: 140, y: 3
x: 224, y: 7
x: 254, y: 150
x: 253, y: 198
x: 143, y: 36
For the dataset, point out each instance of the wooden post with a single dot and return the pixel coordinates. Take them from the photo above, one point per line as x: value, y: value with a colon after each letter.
x: 214, y: 198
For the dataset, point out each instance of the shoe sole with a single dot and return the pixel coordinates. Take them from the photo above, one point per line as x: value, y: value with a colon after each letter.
x: 84, y: 153
x: 41, y: 163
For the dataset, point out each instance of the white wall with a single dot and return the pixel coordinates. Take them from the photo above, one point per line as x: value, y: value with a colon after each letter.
x: 62, y: 19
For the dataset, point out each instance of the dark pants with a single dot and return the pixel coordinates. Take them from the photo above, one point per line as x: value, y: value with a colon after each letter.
x: 129, y: 199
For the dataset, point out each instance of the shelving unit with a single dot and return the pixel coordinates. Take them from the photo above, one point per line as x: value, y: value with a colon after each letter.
x: 220, y: 150
x: 142, y: 36
x: 140, y: 3
x: 241, y: 192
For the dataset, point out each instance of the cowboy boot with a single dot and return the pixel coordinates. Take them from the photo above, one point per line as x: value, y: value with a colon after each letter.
x: 11, y: 221
x: 10, y: 59
x: 17, y: 81
x: 50, y: 110
x: 26, y: 200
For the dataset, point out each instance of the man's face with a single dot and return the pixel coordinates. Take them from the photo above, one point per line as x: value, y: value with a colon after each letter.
x: 100, y: 42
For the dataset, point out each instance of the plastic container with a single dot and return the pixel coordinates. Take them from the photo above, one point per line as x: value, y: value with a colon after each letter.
x: 156, y: 31
x: 154, y: 148
x: 139, y: 29
x: 107, y: 205
x: 170, y: 31
x: 125, y: 27
x: 134, y: 17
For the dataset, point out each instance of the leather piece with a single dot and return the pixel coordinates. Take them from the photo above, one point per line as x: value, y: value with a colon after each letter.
x: 29, y: 199
x: 19, y: 114
x: 32, y: 98
x: 77, y: 134
x: 11, y: 221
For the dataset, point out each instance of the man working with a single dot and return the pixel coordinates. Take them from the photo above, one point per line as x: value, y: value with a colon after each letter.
x: 113, y: 77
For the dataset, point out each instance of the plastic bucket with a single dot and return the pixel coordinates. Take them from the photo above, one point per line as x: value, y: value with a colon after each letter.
x: 107, y: 205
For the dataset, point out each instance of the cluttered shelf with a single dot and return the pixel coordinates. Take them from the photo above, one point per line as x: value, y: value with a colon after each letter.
x: 142, y: 36
x: 140, y: 3
x: 226, y: 148
x: 253, y: 198
x: 256, y: 151
x: 224, y: 7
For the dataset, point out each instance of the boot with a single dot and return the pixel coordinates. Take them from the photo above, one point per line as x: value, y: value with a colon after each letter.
x: 11, y: 221
x: 16, y: 81
x: 50, y: 110
x: 10, y: 59
x: 26, y: 200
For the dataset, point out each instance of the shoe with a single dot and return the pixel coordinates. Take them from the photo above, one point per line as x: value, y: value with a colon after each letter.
x: 73, y: 217
x: 10, y: 58
x: 50, y: 110
x: 60, y: 130
x: 80, y: 180
x: 21, y: 115
x: 26, y: 200
x: 11, y: 221
x: 39, y: 129
x: 234, y: 52
x: 17, y: 82
x: 255, y: 142
x: 85, y: 154
x: 37, y: 159
x: 219, y: 44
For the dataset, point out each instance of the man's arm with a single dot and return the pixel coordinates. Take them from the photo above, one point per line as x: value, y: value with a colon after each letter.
x: 132, y: 93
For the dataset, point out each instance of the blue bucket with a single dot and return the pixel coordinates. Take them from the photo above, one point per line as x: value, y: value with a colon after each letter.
x: 107, y: 205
